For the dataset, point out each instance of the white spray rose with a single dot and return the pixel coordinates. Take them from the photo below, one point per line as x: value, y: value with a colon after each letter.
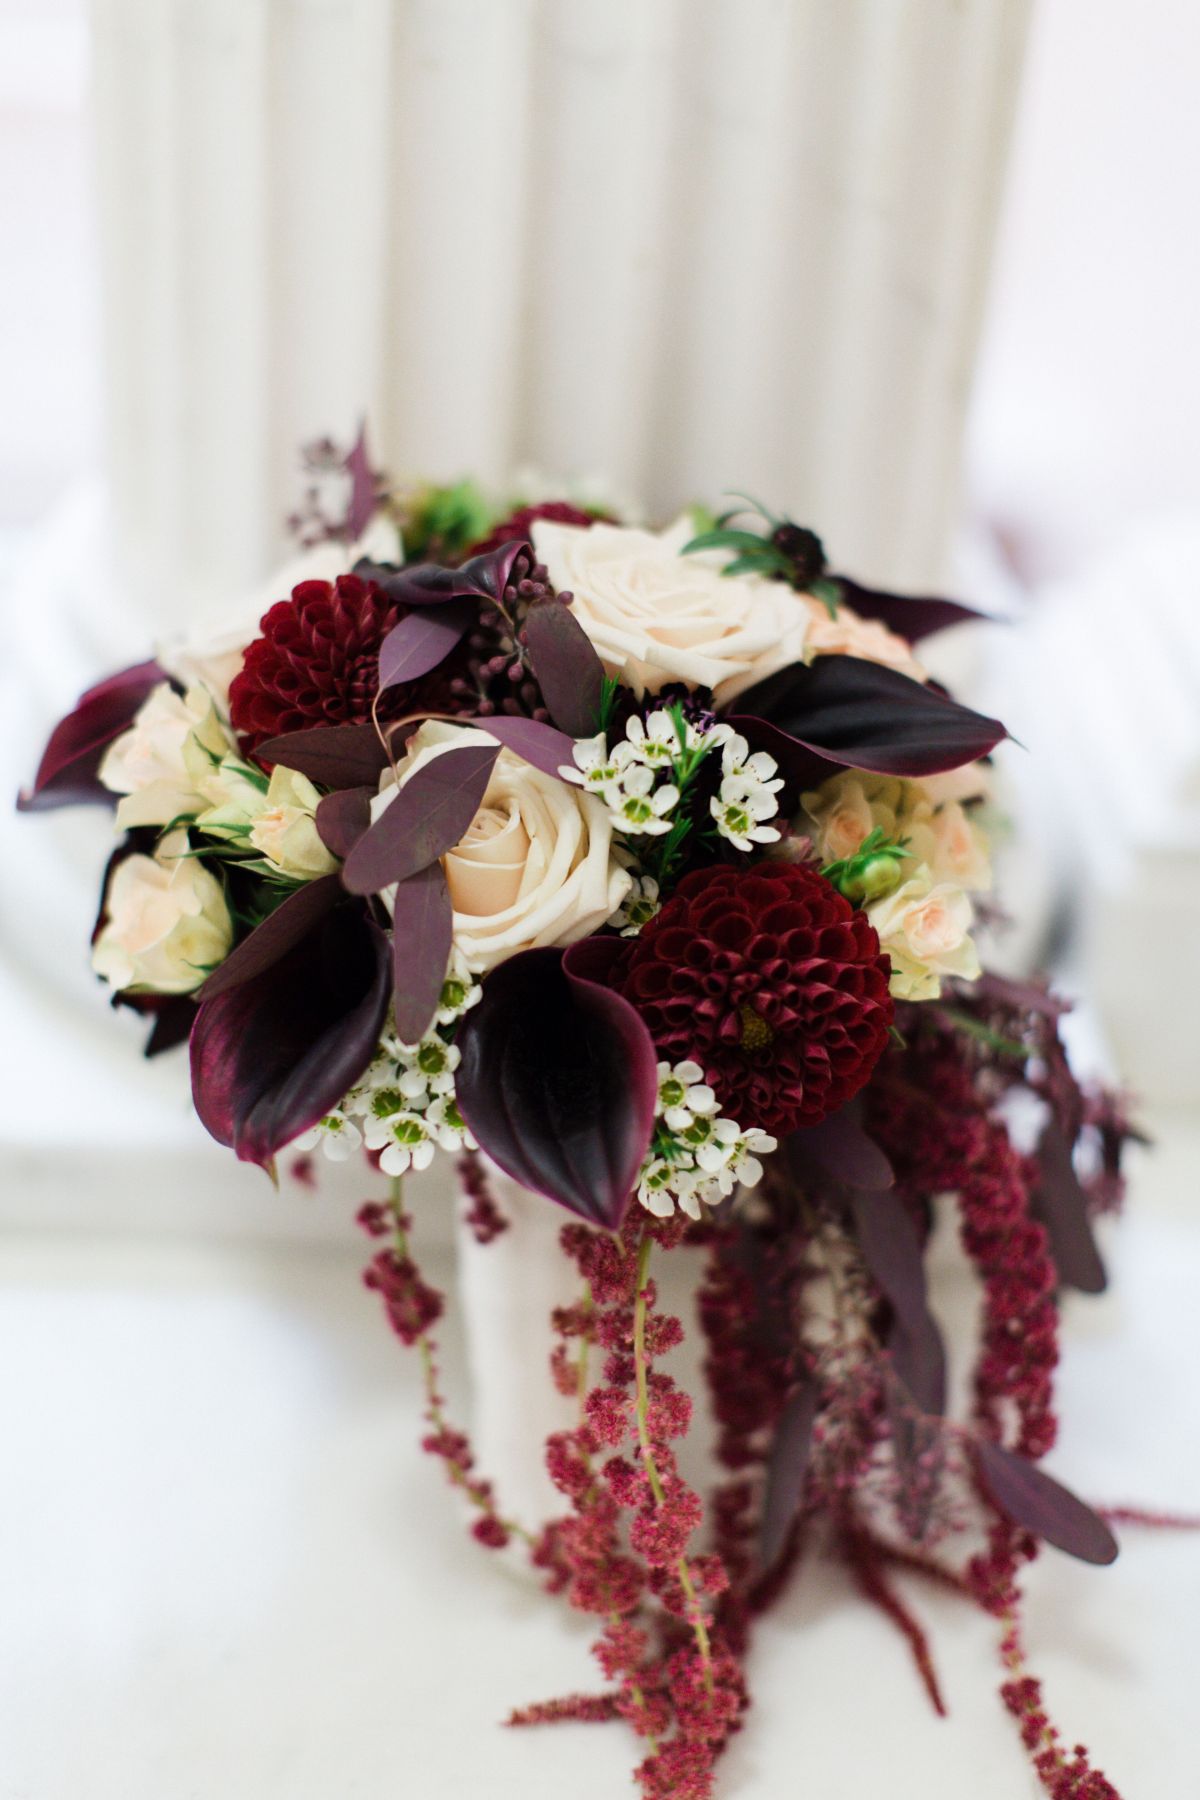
x: 656, y: 616
x: 166, y: 926
x: 924, y: 926
x: 535, y: 866
x: 285, y: 831
x: 153, y: 764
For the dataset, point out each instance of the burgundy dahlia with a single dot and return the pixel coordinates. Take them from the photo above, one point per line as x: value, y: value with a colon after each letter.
x: 317, y: 661
x: 772, y: 982
x: 515, y: 529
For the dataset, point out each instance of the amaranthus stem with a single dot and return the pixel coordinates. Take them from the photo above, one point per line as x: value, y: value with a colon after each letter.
x: 434, y: 1410
x: 695, y: 1614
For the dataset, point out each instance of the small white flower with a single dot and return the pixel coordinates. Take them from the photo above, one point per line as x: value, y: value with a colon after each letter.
x: 642, y: 813
x: 595, y: 769
x: 338, y: 1136
x: 740, y: 813
x: 656, y: 741
x: 756, y: 771
x: 460, y: 992
x: 683, y: 1096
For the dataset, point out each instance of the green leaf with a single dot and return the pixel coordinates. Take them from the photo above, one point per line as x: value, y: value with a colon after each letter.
x: 752, y: 541
x: 829, y: 594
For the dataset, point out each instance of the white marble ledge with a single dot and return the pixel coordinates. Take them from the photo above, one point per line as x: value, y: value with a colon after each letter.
x: 230, y: 1575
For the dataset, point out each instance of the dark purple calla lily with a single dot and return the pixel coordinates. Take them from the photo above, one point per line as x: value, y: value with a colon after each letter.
x: 273, y: 1055
x: 290, y: 923
x: 68, y: 772
x: 558, y: 1083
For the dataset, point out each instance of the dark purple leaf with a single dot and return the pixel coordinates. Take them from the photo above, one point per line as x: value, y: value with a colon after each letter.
x: 363, y: 493
x: 862, y: 715
x: 421, y: 641
x: 338, y: 756
x: 480, y: 578
x: 787, y: 1467
x: 429, y: 815
x: 1030, y: 1497
x: 292, y: 920
x: 271, y: 1057
x: 1061, y: 1204
x: 567, y: 668
x: 422, y: 921
x: 558, y: 1083
x: 891, y: 1249
x: 841, y: 1148
x: 913, y: 616
x: 68, y: 772
x: 542, y: 745
x: 343, y: 817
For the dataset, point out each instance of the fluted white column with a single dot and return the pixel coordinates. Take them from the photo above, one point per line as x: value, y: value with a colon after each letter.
x: 672, y: 244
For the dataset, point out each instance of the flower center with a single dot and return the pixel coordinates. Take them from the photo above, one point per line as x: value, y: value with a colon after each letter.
x: 756, y: 1035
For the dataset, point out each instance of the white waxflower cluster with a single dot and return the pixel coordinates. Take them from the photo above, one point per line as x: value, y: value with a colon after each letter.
x: 403, y: 1104
x: 696, y: 1156
x: 747, y: 796
x: 642, y: 778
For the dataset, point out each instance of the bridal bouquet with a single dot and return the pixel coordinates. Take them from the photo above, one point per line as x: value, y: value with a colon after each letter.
x: 646, y: 867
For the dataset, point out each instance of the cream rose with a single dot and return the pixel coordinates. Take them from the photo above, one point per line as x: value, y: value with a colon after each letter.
x: 656, y: 616
x: 167, y: 925
x: 924, y: 926
x: 154, y: 764
x: 850, y: 635
x: 534, y: 867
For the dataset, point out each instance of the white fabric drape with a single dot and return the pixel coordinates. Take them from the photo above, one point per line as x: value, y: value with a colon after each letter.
x: 670, y: 244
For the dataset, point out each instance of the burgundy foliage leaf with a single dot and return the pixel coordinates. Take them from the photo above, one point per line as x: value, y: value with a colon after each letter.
x: 567, y: 668
x: 338, y: 756
x: 363, y: 494
x: 422, y: 921
x: 343, y: 817
x: 429, y: 815
x: 419, y: 585
x: 842, y: 1149
x: 892, y: 1251
x: 279, y: 932
x: 865, y: 716
x: 1030, y: 1497
x: 272, y: 1056
x: 68, y: 772
x: 787, y: 1467
x: 558, y: 1083
x: 1061, y: 1204
x: 913, y: 616
x: 540, y: 744
x: 421, y: 641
